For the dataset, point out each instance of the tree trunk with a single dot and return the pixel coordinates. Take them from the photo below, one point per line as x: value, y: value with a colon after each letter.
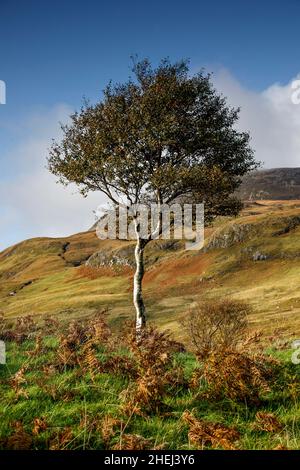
x: 137, y: 286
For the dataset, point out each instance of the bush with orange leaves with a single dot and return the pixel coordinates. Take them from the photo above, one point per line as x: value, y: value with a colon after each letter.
x: 238, y: 376
x: 228, y: 367
x: 153, y: 356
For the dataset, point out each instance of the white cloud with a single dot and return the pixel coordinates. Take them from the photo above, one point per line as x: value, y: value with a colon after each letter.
x: 32, y: 204
x: 270, y: 116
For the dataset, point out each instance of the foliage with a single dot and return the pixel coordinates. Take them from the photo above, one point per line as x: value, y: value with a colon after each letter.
x: 153, y: 355
x: 162, y: 135
x: 203, y: 433
x: 238, y: 376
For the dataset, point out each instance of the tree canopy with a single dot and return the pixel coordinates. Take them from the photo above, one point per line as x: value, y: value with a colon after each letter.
x: 162, y: 135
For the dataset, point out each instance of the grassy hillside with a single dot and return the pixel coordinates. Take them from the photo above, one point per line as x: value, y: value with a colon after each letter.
x: 255, y: 257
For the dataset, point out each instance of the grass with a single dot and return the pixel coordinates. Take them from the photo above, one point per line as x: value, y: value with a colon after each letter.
x: 53, y: 405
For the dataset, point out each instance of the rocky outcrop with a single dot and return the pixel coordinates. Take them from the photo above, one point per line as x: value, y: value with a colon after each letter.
x: 231, y: 235
x: 288, y: 224
x: 125, y: 256
x: 258, y: 256
x: 121, y: 258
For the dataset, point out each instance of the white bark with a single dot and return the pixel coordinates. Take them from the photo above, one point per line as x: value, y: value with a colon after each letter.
x: 137, y: 285
x: 139, y: 274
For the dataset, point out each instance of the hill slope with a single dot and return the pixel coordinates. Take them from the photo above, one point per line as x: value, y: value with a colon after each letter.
x: 255, y: 257
x: 278, y: 183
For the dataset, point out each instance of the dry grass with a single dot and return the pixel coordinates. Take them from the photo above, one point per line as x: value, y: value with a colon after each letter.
x: 203, y: 433
x: 154, y: 372
x: 267, y: 422
x: 237, y: 376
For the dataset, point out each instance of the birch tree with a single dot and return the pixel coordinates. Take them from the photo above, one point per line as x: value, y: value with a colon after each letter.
x: 162, y: 136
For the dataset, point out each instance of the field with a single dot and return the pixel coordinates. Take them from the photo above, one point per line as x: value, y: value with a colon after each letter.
x: 81, y: 387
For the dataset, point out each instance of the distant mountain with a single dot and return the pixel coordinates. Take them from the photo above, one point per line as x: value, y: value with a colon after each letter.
x: 274, y: 184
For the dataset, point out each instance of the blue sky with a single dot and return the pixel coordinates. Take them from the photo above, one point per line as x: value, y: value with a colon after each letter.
x: 52, y: 53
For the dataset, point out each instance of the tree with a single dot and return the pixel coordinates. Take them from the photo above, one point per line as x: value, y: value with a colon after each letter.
x: 162, y: 136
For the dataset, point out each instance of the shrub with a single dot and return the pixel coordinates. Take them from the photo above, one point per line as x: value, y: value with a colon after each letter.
x: 217, y: 325
x: 228, y: 368
x: 237, y: 376
x: 153, y: 355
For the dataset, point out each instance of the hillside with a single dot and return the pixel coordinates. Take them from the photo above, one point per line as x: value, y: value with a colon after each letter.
x: 275, y: 184
x: 255, y: 257
x: 87, y: 383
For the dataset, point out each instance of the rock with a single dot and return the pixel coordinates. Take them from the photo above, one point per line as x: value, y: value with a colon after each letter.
x: 231, y: 235
x: 259, y: 256
x: 121, y: 258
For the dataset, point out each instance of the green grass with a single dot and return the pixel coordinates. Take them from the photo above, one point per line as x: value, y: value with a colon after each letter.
x: 70, y: 400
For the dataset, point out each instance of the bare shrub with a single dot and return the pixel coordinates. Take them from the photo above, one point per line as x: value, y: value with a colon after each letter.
x: 228, y: 367
x: 212, y: 326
